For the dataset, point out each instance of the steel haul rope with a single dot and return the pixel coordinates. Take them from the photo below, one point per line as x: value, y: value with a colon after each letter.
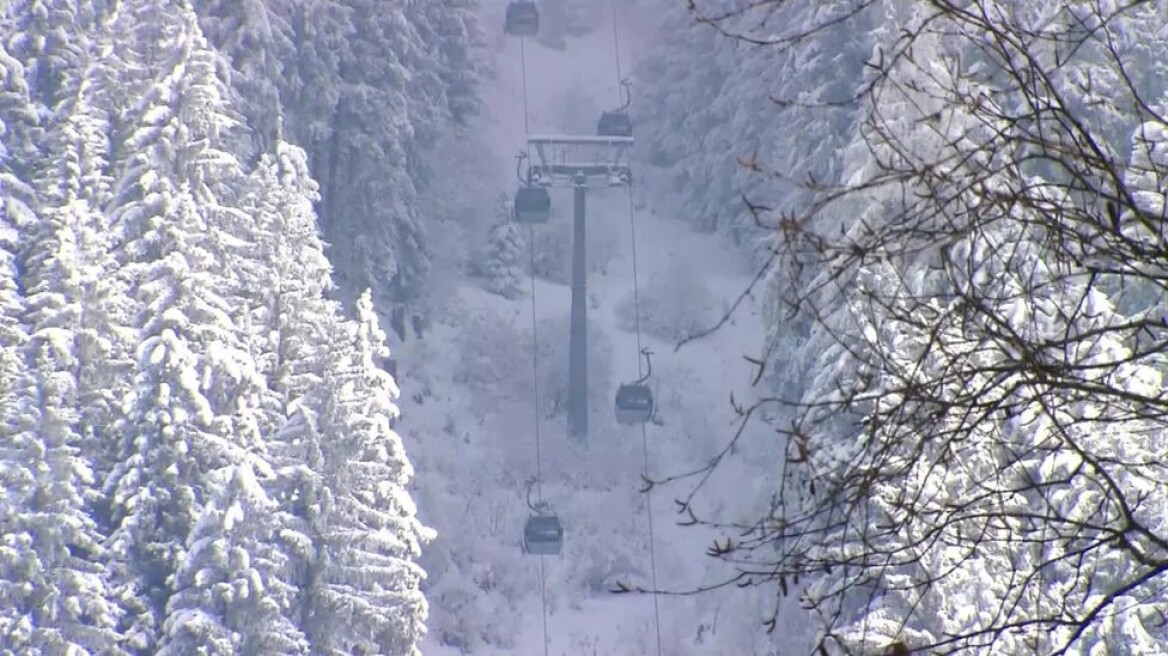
x: 640, y: 371
x: 535, y: 363
x: 523, y: 68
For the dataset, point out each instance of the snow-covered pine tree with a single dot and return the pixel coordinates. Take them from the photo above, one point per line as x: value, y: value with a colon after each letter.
x: 65, y: 569
x: 298, y: 323
x: 193, y: 407
x: 364, y: 591
x: 313, y: 81
x: 299, y: 489
x: 444, y: 76
x: 19, y: 135
x: 294, y: 277
x: 18, y: 394
x: 231, y: 595
x: 256, y: 37
x: 51, y: 577
x: 366, y: 88
x: 16, y: 215
x: 453, y: 26
x: 502, y: 262
x: 17, y: 389
x: 370, y: 199
x: 53, y: 588
x: 18, y: 417
x: 51, y: 38
x: 174, y: 438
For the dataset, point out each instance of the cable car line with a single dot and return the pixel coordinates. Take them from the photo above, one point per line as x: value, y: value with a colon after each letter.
x: 616, y: 47
x: 644, y: 431
x: 641, y: 350
x: 616, y: 123
x: 542, y: 533
x: 538, y: 440
x: 523, y: 68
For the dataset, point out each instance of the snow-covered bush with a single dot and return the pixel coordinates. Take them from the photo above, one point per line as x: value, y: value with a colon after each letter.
x: 553, y: 244
x: 478, y: 603
x: 553, y: 369
x: 552, y: 260
x: 496, y: 359
x: 675, y: 303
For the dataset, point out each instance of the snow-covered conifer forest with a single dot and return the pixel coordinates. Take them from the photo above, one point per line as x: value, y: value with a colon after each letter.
x: 583, y: 327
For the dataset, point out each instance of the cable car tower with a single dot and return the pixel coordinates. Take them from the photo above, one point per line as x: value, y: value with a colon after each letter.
x: 579, y: 162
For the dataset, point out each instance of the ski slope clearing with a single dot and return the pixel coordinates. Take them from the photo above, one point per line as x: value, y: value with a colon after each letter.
x: 468, y: 406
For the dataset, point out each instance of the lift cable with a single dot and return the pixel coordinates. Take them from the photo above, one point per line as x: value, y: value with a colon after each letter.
x: 535, y: 365
x: 523, y: 65
x: 616, y: 52
x: 644, y: 431
x: 640, y: 372
x: 538, y: 446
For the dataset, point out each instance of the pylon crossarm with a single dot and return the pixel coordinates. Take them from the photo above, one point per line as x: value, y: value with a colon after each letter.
x: 560, y: 160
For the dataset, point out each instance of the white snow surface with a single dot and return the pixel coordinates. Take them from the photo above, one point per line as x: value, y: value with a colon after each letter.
x: 468, y: 418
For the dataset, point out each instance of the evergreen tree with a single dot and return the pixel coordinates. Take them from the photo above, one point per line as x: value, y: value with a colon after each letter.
x: 18, y: 402
x: 192, y: 410
x: 174, y: 437
x: 299, y: 319
x: 452, y: 30
x: 230, y: 591
x: 17, y: 387
x: 66, y: 569
x: 313, y: 77
x: 19, y: 135
x: 296, y: 318
x: 502, y: 265
x: 74, y: 179
x: 15, y: 213
x: 365, y: 592
x: 52, y: 576
x: 713, y: 102
x: 377, y: 224
x: 256, y: 37
x: 51, y: 38
x: 366, y: 88
x: 295, y: 276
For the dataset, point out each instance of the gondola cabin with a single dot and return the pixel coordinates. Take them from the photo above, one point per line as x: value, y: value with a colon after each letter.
x: 522, y: 18
x: 543, y: 535
x: 614, y: 124
x: 634, y: 404
x: 532, y: 205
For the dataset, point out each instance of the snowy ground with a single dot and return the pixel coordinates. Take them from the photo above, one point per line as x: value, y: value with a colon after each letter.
x: 469, y: 420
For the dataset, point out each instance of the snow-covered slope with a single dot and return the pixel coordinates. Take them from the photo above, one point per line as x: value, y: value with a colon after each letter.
x: 468, y: 408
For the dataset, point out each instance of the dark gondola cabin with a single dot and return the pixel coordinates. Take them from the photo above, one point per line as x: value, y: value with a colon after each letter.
x: 532, y: 205
x: 522, y: 18
x: 543, y: 535
x: 634, y: 404
x: 614, y: 124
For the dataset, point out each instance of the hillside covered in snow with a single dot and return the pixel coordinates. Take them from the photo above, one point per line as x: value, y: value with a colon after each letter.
x: 286, y: 328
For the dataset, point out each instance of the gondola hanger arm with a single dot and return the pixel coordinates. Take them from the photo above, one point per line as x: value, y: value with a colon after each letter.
x: 648, y: 365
